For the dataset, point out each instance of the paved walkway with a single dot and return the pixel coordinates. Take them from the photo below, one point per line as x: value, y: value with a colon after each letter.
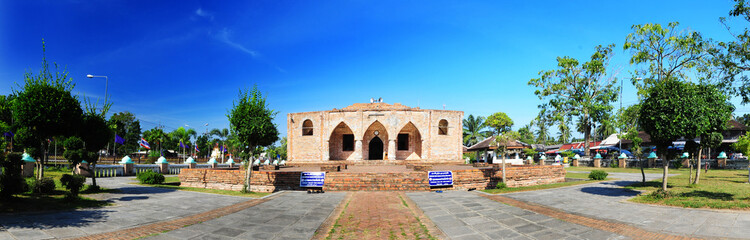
x: 606, y: 200
x: 134, y: 206
x: 465, y: 215
x: 291, y: 215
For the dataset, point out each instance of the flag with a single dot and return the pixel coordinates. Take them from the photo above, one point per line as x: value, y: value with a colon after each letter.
x: 144, y: 143
x: 224, y: 148
x: 196, y: 149
x: 8, y: 134
x: 182, y: 145
x: 119, y: 140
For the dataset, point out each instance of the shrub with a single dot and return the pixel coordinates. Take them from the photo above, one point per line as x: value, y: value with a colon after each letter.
x: 677, y: 164
x: 44, y: 186
x: 150, y: 177
x: 11, y: 181
x: 659, y: 194
x: 74, y: 184
x: 598, y: 175
x: 501, y: 185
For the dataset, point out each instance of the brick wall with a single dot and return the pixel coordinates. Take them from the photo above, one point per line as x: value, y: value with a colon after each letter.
x: 265, y: 181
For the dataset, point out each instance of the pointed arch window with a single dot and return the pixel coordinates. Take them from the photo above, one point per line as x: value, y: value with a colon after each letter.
x: 443, y: 127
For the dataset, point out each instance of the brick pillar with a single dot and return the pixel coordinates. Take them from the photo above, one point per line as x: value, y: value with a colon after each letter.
x: 621, y: 163
x: 127, y: 169
x: 685, y: 162
x: 358, y: 149
x: 541, y: 161
x: 28, y: 169
x: 192, y: 165
x: 575, y: 162
x: 722, y: 162
x: 215, y: 165
x: 597, y: 163
x: 391, y: 149
x: 79, y: 170
x: 651, y: 162
x: 164, y: 168
x: 326, y: 151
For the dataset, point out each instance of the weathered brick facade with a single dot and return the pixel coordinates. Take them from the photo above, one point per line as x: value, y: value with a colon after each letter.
x: 349, y: 134
x: 270, y: 181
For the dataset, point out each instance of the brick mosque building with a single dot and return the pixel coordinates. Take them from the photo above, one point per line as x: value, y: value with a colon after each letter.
x: 375, y: 131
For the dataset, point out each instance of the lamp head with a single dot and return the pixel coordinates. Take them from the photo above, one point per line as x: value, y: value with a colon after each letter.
x: 89, y: 76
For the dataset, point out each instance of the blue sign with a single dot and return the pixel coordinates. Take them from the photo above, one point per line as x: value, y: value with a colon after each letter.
x: 312, y: 179
x: 440, y: 178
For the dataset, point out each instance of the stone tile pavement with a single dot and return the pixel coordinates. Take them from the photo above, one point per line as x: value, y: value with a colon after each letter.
x: 292, y: 215
x: 465, y: 215
x: 134, y: 206
x: 607, y: 200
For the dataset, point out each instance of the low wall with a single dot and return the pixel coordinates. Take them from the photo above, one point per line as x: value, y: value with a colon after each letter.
x: 270, y: 181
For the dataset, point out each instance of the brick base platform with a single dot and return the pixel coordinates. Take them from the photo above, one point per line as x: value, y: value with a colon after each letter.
x: 415, y: 180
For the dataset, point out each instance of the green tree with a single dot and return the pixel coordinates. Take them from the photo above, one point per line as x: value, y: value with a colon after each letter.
x: 526, y: 135
x: 44, y: 108
x: 667, y: 53
x: 502, y: 141
x: 499, y: 122
x: 95, y: 136
x: 563, y: 126
x: 606, y: 127
x: 221, y: 135
x: 252, y: 120
x: 744, y: 119
x: 474, y: 130
x: 127, y: 127
x: 542, y: 122
x: 675, y: 109
x: 582, y: 90
x: 155, y: 137
x: 731, y: 60
x: 627, y: 121
x: 182, y: 135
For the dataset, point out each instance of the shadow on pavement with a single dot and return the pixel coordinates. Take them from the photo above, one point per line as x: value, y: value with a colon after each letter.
x: 610, y: 192
x: 80, y: 218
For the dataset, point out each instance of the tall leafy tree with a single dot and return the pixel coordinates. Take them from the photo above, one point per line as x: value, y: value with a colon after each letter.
x: 542, y: 122
x: 579, y: 89
x: 155, y: 137
x: 252, y: 120
x: 563, y: 126
x: 627, y: 121
x: 44, y: 108
x: 182, y: 135
x: 731, y: 60
x: 665, y: 53
x: 474, y: 130
x: 674, y: 109
x: 606, y: 127
x: 526, y: 135
x: 502, y: 141
x: 129, y: 128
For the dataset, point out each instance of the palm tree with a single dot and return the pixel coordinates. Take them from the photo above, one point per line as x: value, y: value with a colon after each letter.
x: 221, y: 135
x: 606, y: 128
x: 183, y: 135
x: 542, y: 122
x: 564, y: 128
x: 474, y: 130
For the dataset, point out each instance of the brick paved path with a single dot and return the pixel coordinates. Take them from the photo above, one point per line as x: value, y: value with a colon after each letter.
x: 607, y: 201
x: 465, y: 215
x: 379, y: 215
x: 134, y: 206
x: 291, y: 215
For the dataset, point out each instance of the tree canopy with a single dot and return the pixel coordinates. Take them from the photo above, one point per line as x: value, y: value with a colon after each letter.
x: 499, y: 122
x: 579, y: 89
x: 129, y: 128
x: 474, y: 130
x: 252, y: 121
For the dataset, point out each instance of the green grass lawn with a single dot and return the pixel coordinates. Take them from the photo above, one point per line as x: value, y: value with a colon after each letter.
x: 723, y: 189
x: 173, y: 183
x: 622, y: 170
x: 31, y: 202
x: 548, y: 186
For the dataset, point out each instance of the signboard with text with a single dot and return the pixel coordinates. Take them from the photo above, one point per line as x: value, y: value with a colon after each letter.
x: 440, y: 178
x: 312, y: 179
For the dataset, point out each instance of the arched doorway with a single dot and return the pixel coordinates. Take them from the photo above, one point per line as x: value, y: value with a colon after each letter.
x: 376, y: 149
x: 409, y: 143
x: 341, y: 143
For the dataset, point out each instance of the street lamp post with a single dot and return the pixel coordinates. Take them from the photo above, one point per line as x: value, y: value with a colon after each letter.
x: 106, y: 84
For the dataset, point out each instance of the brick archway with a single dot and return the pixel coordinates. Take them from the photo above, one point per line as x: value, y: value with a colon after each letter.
x: 370, y: 133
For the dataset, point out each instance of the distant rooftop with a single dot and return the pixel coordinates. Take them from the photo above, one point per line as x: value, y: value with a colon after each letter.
x: 376, y: 106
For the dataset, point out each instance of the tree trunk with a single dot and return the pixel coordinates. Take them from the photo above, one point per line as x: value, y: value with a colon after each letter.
x: 665, y: 163
x: 698, y: 169
x: 504, y: 165
x: 249, y: 172
x: 642, y: 173
x: 586, y: 135
x: 93, y: 174
x: 690, y: 174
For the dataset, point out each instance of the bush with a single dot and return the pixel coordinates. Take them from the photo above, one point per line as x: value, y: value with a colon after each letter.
x: 598, y: 175
x: 11, y: 181
x: 150, y: 177
x: 659, y: 194
x: 677, y: 164
x: 44, y: 186
x: 501, y: 185
x: 151, y: 159
x: 59, y: 169
x: 74, y: 184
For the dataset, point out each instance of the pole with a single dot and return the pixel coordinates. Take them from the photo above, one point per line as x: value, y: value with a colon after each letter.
x: 619, y: 137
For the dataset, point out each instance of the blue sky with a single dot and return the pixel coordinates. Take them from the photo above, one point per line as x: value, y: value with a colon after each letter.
x: 182, y: 62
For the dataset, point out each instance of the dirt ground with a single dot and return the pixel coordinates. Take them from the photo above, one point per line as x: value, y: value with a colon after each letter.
x: 378, y: 215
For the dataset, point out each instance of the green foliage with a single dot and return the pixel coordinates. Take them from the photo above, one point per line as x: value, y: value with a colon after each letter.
x: 677, y: 164
x: 677, y: 52
x: 74, y: 151
x: 743, y: 145
x: 529, y: 151
x: 501, y: 185
x: 499, y: 122
x: 128, y: 127
x: 542, y: 122
x: 579, y: 89
x: 44, y: 185
x: 156, y: 137
x: 474, y: 130
x: 598, y: 175
x: 74, y: 184
x: 659, y: 194
x: 150, y: 177
x: 182, y: 134
x: 568, y: 154
x: 11, y: 181
x: 526, y: 135
x: 252, y: 121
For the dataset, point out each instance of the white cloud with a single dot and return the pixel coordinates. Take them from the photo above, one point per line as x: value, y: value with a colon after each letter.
x: 223, y: 36
x: 202, y: 13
